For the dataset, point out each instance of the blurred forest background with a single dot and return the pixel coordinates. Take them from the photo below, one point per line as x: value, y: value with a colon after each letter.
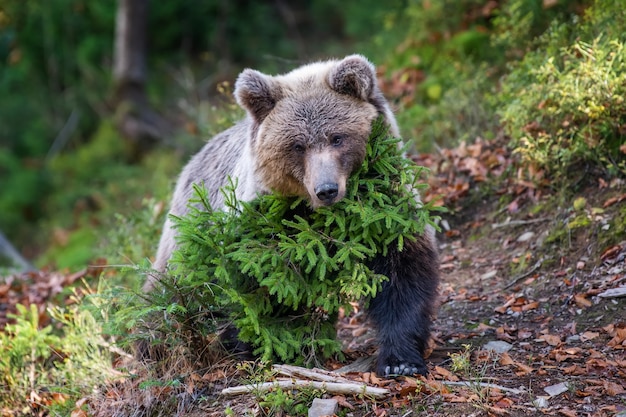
x: 89, y: 149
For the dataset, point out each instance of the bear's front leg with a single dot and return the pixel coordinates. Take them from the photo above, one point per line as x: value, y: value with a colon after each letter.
x: 403, y: 310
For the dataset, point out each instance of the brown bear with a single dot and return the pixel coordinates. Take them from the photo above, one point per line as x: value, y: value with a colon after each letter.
x: 305, y: 133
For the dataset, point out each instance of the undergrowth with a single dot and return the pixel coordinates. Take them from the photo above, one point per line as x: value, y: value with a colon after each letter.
x: 41, y: 367
x: 563, y: 104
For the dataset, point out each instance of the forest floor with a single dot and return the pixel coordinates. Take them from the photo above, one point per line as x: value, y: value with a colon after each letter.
x: 532, y: 318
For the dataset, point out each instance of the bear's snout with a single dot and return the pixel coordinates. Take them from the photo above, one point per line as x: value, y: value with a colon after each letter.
x: 325, y: 179
x: 327, y: 193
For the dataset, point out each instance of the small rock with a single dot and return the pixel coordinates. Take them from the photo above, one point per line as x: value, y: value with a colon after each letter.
x: 489, y: 275
x: 322, y: 407
x: 557, y: 389
x: 498, y: 346
x: 525, y: 237
x: 541, y: 402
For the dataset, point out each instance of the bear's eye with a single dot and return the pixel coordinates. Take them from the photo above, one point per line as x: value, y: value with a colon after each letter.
x: 336, y: 139
x: 298, y: 147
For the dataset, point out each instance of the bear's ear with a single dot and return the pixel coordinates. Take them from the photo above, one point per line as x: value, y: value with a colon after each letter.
x: 355, y: 76
x: 257, y: 93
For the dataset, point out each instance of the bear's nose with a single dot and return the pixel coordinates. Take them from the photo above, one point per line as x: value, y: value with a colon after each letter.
x: 327, y: 192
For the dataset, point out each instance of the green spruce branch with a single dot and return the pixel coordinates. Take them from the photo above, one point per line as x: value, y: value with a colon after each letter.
x: 282, y: 271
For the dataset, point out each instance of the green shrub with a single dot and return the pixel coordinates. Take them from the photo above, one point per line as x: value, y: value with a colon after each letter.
x: 280, y: 271
x: 566, y: 109
x: 519, y: 24
x: 441, y: 70
x: 38, y: 362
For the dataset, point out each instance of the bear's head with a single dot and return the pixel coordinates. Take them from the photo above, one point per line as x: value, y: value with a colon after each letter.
x: 309, y: 128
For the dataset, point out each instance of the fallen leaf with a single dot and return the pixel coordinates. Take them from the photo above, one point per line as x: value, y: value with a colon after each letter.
x: 341, y: 400
x: 614, y: 200
x: 613, y: 388
x: 618, y: 339
x: 574, y: 370
x: 530, y: 306
x: 375, y: 380
x: 504, y: 403
x: 496, y: 410
x: 581, y: 301
x: 552, y: 340
x: 453, y: 398
x: 447, y: 375
x: 523, y: 369
x: 588, y: 336
x: 568, y: 412
x: 505, y: 359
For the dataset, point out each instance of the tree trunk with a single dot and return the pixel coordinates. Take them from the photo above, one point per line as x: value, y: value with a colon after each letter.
x: 134, y: 117
x: 8, y: 251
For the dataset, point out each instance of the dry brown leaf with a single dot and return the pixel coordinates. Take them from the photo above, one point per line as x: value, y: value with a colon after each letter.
x: 376, y: 380
x: 502, y: 334
x: 613, y: 388
x: 505, y: 359
x: 434, y: 386
x: 408, y: 386
x: 619, y: 339
x: 496, y: 410
x: 568, y: 412
x: 574, y: 370
x: 561, y: 355
x: 341, y: 400
x: 581, y: 301
x: 523, y: 369
x: 614, y: 200
x: 530, y: 306
x: 551, y: 339
x: 588, y: 336
x: 454, y: 398
x: 504, y: 403
x: 447, y: 375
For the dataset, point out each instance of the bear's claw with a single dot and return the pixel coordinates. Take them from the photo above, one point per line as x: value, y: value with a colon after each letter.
x: 404, y: 369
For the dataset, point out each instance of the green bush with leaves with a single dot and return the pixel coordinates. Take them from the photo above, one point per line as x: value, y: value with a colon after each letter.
x: 281, y: 271
x: 39, y: 362
x: 566, y: 108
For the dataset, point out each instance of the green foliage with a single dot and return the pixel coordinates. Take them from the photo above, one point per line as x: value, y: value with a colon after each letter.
x: 36, y: 360
x: 56, y: 59
x: 520, y: 23
x: 282, y: 271
x: 97, y: 193
x: 457, y: 113
x: 461, y: 361
x: 444, y: 67
x: 567, y: 108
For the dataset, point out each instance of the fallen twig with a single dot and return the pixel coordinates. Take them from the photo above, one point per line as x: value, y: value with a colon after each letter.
x: 518, y: 222
x: 314, y: 374
x: 483, y: 385
x: 330, y: 387
x: 613, y: 293
x: 524, y: 275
